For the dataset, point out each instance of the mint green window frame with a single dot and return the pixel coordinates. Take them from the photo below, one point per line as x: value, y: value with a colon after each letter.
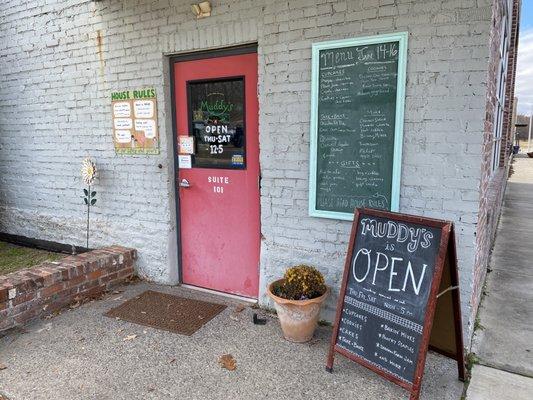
x: 401, y: 38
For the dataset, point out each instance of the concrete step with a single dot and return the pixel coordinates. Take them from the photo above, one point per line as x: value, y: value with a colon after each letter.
x: 493, y: 384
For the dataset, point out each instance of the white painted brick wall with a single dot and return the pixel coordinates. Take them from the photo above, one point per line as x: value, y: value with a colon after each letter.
x: 55, y: 84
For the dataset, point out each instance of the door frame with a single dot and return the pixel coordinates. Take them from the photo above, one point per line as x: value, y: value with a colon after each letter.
x: 190, y: 56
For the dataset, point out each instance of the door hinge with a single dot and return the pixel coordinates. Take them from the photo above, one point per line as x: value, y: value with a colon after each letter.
x: 259, y: 181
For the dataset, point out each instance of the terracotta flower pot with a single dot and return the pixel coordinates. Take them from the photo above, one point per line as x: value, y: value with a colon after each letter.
x: 298, y: 318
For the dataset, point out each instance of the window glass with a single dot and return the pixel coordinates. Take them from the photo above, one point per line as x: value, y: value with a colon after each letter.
x: 217, y: 122
x: 500, y: 94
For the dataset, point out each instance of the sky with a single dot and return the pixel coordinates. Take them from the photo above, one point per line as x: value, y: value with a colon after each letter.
x: 524, y: 69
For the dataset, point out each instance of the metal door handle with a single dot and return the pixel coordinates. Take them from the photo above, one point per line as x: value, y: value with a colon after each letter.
x: 184, y: 183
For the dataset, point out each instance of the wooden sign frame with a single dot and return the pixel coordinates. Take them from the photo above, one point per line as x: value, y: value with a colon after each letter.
x: 401, y: 38
x: 445, y: 262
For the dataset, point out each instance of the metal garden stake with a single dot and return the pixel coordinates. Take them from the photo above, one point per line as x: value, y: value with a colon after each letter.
x: 88, y: 172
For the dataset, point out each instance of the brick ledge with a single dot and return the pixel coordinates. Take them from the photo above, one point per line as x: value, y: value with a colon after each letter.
x: 33, y: 292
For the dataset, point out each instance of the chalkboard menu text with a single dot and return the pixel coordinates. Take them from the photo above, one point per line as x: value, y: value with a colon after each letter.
x: 356, y: 124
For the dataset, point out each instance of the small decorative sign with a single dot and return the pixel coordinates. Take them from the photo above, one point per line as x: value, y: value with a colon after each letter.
x: 237, y: 160
x: 184, y: 161
x: 135, y: 129
x: 186, y: 144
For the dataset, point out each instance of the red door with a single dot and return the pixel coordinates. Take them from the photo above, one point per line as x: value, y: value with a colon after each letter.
x: 216, y: 105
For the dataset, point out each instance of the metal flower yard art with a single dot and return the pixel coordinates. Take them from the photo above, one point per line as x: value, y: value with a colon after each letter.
x: 88, y: 174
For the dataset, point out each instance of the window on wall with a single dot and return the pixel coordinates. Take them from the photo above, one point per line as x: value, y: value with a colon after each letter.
x: 500, y: 90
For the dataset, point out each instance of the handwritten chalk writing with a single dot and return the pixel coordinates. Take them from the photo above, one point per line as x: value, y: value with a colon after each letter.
x: 398, y: 231
x: 356, y: 108
x: 387, y: 50
x: 334, y: 57
x: 364, y: 260
x: 364, y: 54
x: 389, y: 276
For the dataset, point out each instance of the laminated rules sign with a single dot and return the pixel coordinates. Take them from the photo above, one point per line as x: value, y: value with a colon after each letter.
x: 135, y: 129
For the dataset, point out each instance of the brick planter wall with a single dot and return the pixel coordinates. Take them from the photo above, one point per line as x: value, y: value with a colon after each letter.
x: 50, y: 286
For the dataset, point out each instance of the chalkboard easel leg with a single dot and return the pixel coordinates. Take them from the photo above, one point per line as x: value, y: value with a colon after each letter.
x: 329, y: 369
x: 415, y: 394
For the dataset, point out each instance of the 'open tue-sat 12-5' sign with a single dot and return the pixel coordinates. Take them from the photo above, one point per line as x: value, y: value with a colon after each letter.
x: 135, y: 129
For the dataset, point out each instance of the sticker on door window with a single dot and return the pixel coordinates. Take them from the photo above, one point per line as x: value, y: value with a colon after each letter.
x: 217, y: 122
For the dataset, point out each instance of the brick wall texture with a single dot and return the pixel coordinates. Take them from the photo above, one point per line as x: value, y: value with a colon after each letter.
x: 492, y: 185
x: 60, y: 59
x: 51, y: 286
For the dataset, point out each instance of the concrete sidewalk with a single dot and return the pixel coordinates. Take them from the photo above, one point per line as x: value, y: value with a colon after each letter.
x: 505, y: 343
x: 81, y: 354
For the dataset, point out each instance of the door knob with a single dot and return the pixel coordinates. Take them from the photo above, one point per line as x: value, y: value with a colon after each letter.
x: 184, y: 183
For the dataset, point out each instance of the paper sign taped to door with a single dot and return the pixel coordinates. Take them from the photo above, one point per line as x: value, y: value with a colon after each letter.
x: 184, y: 161
x: 186, y: 144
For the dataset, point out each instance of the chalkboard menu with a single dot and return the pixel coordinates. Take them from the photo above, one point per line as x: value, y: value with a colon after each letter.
x: 389, y: 292
x: 356, y: 124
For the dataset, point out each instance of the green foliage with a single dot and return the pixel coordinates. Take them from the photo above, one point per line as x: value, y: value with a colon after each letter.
x: 14, y: 257
x: 471, y: 360
x: 301, y: 282
x: 478, y: 325
x: 89, y: 199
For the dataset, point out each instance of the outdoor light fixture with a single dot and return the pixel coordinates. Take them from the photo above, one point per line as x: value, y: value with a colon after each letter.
x: 202, y: 9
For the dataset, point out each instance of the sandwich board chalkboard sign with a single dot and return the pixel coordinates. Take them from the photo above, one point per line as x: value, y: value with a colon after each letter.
x: 357, y: 108
x: 400, y: 279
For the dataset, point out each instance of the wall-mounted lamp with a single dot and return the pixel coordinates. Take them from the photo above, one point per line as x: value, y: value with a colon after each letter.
x: 202, y: 9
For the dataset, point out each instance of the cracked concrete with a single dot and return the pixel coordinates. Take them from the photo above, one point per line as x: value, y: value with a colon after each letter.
x: 81, y: 354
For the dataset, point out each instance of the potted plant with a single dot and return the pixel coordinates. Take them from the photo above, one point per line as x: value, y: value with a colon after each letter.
x: 298, y: 297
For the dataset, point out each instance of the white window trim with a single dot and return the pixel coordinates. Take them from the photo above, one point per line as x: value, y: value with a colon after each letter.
x: 500, y: 92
